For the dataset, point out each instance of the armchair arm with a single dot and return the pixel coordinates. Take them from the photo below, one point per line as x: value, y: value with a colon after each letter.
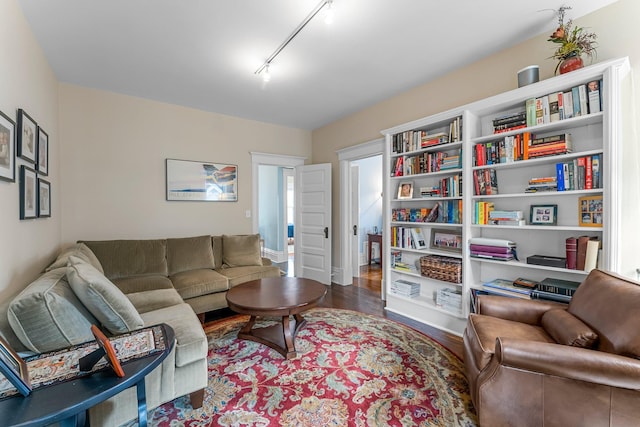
x: 515, y: 309
x: 569, y: 362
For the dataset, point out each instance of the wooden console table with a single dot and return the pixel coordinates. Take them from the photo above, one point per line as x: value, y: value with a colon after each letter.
x: 375, y: 238
x: 67, y: 402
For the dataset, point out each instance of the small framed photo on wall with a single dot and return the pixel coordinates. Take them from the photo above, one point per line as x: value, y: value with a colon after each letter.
x: 44, y: 198
x: 27, y: 137
x: 43, y: 152
x: 7, y: 148
x: 28, y: 193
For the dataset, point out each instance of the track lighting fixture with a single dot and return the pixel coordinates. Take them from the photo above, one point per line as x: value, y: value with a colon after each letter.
x: 264, y: 68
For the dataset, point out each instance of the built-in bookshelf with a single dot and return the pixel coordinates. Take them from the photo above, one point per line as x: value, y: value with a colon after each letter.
x: 494, y: 155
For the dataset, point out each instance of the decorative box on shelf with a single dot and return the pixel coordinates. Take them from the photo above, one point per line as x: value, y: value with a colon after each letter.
x: 440, y: 267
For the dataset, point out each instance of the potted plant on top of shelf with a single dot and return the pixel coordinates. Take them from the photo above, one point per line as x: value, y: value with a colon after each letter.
x: 574, y: 42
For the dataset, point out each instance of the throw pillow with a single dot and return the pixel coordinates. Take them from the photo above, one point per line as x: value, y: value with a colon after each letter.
x: 567, y: 329
x: 102, y: 298
x: 190, y: 253
x: 48, y: 316
x: 79, y: 250
x: 239, y: 251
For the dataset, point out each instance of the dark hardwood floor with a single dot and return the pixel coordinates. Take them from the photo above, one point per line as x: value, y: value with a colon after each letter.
x: 364, y: 296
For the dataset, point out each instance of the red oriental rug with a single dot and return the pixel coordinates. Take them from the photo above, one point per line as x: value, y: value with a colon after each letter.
x: 352, y: 369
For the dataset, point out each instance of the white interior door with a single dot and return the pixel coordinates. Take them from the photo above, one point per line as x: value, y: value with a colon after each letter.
x: 313, y: 222
x: 355, y: 220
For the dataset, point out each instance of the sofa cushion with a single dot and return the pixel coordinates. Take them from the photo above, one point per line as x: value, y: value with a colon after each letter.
x: 142, y: 283
x: 216, y: 243
x: 238, y: 275
x: 485, y: 330
x: 146, y: 301
x: 48, y: 316
x: 194, y: 283
x: 81, y: 251
x: 127, y: 258
x: 102, y: 298
x: 239, y: 251
x: 191, y: 341
x: 190, y: 253
x: 567, y: 329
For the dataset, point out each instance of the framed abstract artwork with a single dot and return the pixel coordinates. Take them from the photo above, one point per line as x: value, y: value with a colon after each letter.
x: 189, y: 180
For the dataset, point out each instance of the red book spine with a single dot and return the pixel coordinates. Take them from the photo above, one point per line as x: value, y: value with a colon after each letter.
x: 588, y: 178
x: 572, y: 252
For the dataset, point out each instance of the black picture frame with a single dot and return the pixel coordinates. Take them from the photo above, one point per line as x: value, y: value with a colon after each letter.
x: 14, y: 368
x: 7, y: 148
x: 27, y: 143
x: 44, y: 198
x: 446, y: 240
x: 43, y: 152
x: 28, y: 193
x: 543, y: 215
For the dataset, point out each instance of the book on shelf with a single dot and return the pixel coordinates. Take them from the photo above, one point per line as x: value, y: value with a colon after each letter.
x: 508, y: 286
x: 594, y: 98
x: 591, y: 257
x: 554, y: 106
x: 558, y: 286
x: 503, y: 215
x: 567, y: 103
x: 550, y: 296
x: 485, y: 182
x: 487, y: 241
x: 449, y: 299
x: 547, y: 260
x: 571, y: 247
x: 581, y: 252
x: 405, y: 288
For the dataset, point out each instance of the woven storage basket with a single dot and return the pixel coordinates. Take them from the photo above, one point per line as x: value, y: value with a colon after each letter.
x: 442, y: 268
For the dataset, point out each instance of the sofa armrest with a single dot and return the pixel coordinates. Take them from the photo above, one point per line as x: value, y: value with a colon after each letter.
x: 569, y: 362
x: 515, y: 309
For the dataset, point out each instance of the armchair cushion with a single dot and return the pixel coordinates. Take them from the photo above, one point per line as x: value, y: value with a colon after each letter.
x: 567, y: 329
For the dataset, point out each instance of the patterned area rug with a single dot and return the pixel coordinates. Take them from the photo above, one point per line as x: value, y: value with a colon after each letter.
x: 352, y: 369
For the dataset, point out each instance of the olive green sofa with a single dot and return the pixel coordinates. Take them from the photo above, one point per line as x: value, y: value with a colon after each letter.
x: 124, y: 285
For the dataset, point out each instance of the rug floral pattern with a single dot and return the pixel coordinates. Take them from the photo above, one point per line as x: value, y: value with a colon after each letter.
x: 352, y: 369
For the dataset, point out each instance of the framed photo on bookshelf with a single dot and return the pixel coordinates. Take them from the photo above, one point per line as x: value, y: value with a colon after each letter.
x: 405, y: 190
x: 590, y: 211
x: 14, y: 369
x: 543, y: 215
x: 448, y: 240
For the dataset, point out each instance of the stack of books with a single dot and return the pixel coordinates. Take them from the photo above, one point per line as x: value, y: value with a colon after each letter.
x: 546, y: 183
x: 497, y: 217
x: 507, y: 288
x: 449, y: 298
x: 555, y: 290
x: 495, y: 249
x: 428, y: 140
x: 510, y: 122
x: 405, y: 288
x: 550, y: 145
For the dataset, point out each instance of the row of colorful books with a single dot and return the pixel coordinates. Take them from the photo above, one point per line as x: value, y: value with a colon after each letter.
x: 522, y: 146
x: 577, y: 101
x: 484, y: 213
x: 582, y: 173
x: 427, y: 163
x: 408, y: 141
x: 485, y: 182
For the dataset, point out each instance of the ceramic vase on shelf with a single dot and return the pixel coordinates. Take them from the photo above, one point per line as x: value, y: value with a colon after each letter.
x: 570, y: 63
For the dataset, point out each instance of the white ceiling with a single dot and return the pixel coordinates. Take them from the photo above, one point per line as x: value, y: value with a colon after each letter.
x: 203, y: 53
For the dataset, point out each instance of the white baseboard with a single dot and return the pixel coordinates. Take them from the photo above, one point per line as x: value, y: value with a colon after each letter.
x: 276, y: 256
x: 338, y: 277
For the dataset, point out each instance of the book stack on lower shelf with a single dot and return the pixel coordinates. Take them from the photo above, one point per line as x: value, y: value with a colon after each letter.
x: 555, y: 290
x: 494, y: 249
x: 549, y: 289
x: 405, y: 288
x: 449, y: 299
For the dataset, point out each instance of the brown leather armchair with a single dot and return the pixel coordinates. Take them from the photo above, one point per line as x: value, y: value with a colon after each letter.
x: 537, y: 363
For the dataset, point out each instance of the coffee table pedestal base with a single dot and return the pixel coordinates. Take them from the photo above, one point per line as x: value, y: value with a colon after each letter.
x: 279, y: 337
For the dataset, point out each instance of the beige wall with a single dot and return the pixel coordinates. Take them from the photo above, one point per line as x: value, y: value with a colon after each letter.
x: 113, y: 151
x: 618, y: 35
x: 26, y: 81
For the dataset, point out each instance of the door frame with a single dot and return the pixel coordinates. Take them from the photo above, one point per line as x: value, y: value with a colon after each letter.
x: 257, y: 159
x: 345, y: 157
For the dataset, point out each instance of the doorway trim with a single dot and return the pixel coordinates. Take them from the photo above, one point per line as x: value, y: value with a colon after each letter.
x: 257, y: 159
x: 345, y: 157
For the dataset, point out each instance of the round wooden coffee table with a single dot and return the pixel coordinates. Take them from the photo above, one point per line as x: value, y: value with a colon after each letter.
x: 275, y: 296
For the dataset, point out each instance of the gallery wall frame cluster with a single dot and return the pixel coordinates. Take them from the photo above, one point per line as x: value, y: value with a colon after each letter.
x: 24, y: 140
